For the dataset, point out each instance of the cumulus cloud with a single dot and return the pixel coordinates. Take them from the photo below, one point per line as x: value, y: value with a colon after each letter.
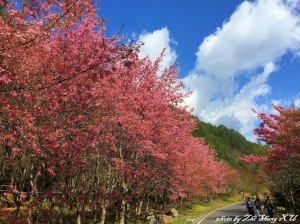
x: 297, y: 103
x: 154, y: 43
x: 256, y: 34
x: 232, y: 110
x: 249, y: 45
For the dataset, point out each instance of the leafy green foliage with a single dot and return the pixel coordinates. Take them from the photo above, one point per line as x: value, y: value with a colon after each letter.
x: 2, y: 11
x: 229, y: 143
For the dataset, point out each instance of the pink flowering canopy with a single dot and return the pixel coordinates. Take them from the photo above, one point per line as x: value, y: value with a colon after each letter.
x: 86, y: 121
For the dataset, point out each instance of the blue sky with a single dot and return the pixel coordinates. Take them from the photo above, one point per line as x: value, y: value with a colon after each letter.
x: 234, y: 55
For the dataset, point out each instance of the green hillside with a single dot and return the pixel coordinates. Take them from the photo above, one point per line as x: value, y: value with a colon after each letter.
x: 229, y: 143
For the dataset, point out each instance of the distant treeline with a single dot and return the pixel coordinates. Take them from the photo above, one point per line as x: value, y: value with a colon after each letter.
x: 229, y: 143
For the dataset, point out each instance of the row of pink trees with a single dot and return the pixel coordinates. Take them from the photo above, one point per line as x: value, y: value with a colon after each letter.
x: 86, y: 125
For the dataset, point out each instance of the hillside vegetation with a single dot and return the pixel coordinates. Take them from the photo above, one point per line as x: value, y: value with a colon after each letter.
x: 229, y: 143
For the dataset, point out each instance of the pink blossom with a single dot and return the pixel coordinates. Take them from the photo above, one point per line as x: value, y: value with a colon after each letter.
x: 51, y: 172
x: 23, y: 198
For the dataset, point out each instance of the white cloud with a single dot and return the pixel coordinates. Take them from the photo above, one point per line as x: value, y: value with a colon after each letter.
x: 154, y: 43
x: 297, y: 102
x: 234, y: 111
x: 254, y: 39
x: 256, y: 34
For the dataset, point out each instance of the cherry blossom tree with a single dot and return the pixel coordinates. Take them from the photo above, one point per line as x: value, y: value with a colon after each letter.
x: 281, y: 164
